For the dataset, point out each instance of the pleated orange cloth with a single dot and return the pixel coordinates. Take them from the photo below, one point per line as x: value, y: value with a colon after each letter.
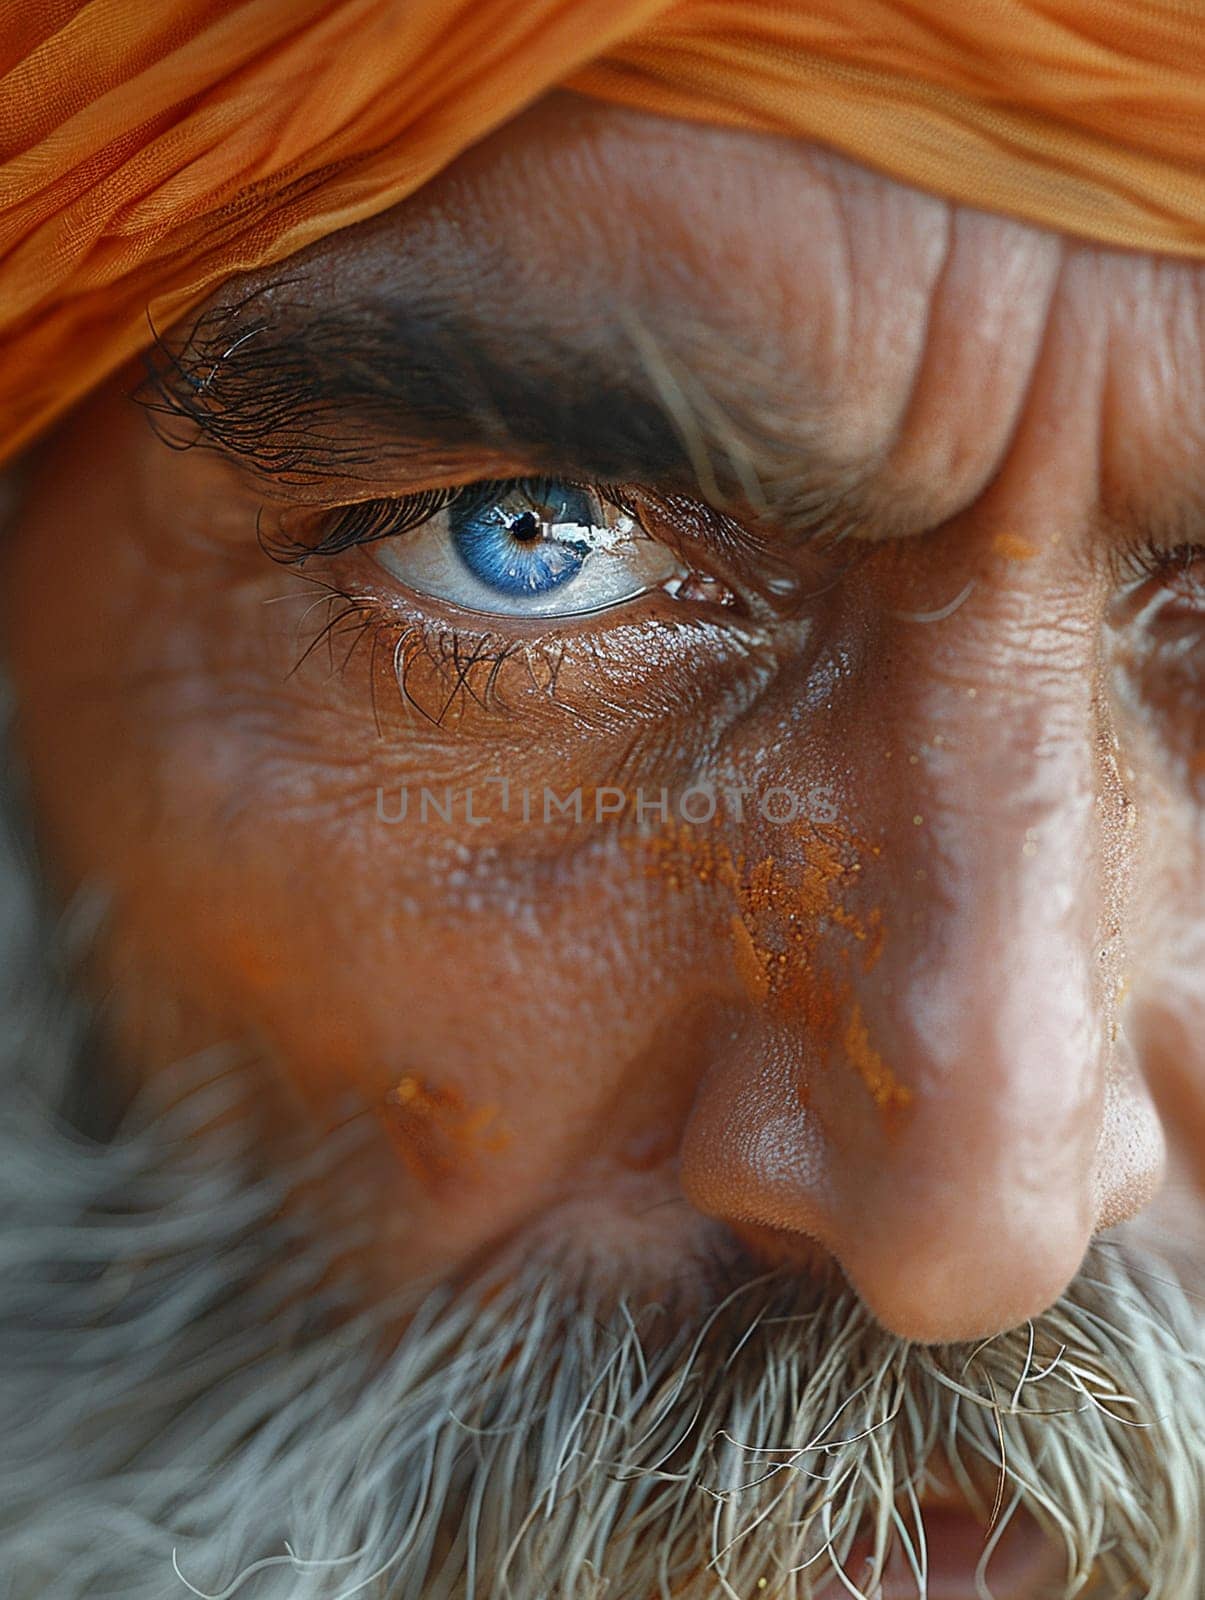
x: 150, y: 149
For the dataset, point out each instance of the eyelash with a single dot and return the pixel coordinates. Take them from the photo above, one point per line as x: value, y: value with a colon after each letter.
x: 1145, y: 559
x: 365, y: 522
x: 422, y: 637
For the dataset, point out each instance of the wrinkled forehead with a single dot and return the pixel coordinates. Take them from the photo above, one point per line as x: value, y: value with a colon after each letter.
x: 800, y: 322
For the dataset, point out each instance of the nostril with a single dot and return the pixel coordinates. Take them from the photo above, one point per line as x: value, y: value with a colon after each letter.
x: 773, y: 1249
x: 754, y: 1154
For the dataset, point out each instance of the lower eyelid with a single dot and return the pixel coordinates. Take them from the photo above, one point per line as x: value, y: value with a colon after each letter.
x: 454, y: 670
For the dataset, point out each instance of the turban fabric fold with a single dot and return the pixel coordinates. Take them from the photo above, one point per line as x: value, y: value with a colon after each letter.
x: 150, y: 149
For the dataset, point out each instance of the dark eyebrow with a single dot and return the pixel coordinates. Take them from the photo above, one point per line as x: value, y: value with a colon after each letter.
x: 302, y: 394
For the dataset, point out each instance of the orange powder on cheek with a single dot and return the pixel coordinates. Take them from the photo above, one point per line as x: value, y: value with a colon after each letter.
x: 437, y: 1131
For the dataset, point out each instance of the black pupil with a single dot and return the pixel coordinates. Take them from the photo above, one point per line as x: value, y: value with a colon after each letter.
x: 525, y: 527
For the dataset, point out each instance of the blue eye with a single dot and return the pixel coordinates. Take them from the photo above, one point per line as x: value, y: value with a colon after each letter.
x: 529, y: 548
x: 525, y: 540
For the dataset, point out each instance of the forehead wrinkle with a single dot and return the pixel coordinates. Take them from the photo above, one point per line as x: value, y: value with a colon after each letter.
x: 750, y: 455
x: 1152, y: 402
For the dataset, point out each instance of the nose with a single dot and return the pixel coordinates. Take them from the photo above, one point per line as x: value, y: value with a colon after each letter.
x: 932, y: 1083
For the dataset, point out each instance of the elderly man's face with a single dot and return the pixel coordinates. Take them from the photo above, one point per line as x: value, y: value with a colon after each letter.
x: 671, y: 705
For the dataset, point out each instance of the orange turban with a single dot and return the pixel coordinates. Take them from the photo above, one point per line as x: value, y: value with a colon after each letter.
x: 150, y: 149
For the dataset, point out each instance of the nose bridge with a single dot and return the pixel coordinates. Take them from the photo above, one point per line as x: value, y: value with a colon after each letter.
x: 986, y: 1002
x: 988, y: 992
x: 990, y: 861
x: 951, y: 1112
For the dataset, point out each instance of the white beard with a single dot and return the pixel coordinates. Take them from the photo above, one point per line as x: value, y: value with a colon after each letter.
x: 193, y: 1396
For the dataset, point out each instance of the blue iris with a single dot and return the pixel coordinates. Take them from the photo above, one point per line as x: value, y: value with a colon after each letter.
x: 511, y: 541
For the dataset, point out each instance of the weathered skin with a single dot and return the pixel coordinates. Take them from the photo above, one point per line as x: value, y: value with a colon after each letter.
x: 988, y: 1034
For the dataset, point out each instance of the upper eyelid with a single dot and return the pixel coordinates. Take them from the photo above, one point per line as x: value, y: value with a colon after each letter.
x: 1146, y: 556
x: 364, y: 522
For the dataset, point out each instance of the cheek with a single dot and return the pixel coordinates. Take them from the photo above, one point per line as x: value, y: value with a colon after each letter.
x: 490, y: 1016
x: 489, y: 1034
x: 518, y: 1024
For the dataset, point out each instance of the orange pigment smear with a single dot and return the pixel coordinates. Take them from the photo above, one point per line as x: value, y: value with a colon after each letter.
x: 794, y: 938
x: 437, y: 1131
x: 1013, y: 547
x: 881, y: 1083
x: 750, y: 964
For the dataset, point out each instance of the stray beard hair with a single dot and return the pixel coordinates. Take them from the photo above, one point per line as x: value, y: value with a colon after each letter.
x: 198, y: 1400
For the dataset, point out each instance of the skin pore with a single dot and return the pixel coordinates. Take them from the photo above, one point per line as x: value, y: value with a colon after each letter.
x: 942, y: 475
